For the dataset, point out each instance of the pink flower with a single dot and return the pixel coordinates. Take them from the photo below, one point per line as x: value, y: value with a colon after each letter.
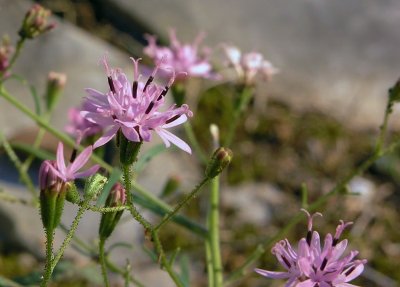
x: 183, y: 58
x: 134, y: 109
x: 312, y: 265
x: 249, y: 65
x: 79, y: 126
x: 70, y: 172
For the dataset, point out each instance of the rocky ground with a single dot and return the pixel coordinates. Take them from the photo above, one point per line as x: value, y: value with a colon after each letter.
x: 312, y: 123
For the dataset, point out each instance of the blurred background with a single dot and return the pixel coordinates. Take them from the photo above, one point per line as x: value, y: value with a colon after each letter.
x: 312, y: 123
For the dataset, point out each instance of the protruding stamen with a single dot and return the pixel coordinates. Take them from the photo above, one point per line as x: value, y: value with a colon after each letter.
x: 149, y: 108
x: 339, y: 230
x: 135, y: 76
x: 286, y: 261
x: 323, y: 265
x: 134, y: 89
x: 73, y: 155
x: 172, y: 119
x: 149, y: 80
x: 309, y: 237
x: 111, y: 84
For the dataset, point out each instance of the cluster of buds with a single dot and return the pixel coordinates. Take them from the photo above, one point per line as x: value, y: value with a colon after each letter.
x: 6, y: 50
x: 35, y: 22
x: 249, y: 65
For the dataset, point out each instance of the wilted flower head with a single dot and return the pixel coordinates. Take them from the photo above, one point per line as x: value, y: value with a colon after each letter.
x: 55, y: 86
x: 183, y: 58
x: 71, y: 172
x: 36, y: 22
x: 312, y: 265
x: 249, y: 65
x: 6, y: 50
x: 79, y: 126
x: 134, y: 109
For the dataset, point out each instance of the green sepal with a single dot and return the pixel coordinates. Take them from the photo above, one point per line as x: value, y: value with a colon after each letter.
x: 108, y: 222
x: 73, y: 194
x: 128, y: 150
x: 51, y: 207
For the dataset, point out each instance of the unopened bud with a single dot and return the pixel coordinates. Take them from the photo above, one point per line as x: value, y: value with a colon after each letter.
x: 110, y: 219
x: 94, y: 185
x: 219, y: 160
x: 55, y: 86
x: 6, y: 50
x: 52, y: 195
x: 35, y: 22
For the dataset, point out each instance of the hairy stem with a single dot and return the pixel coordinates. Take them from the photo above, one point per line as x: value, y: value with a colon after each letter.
x: 49, y: 257
x: 102, y: 259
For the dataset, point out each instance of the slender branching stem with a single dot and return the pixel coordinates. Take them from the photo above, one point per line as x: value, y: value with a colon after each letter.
x: 194, y: 142
x: 49, y: 257
x: 182, y: 203
x: 213, y: 225
x: 102, y: 258
x: 18, y: 49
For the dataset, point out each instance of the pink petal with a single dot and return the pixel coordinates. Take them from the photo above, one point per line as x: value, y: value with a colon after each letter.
x: 60, y: 158
x: 92, y: 170
x: 178, y: 121
x: 272, y: 274
x: 307, y: 283
x: 355, y: 273
x: 106, y: 137
x: 169, y: 137
x: 131, y: 134
x: 60, y: 175
x: 80, y: 160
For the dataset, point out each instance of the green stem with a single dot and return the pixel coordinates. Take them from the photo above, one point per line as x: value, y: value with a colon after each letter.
x: 240, y: 107
x: 121, y: 271
x: 213, y: 224
x: 182, y: 203
x: 102, y: 259
x: 107, y: 209
x: 71, y: 232
x: 194, y: 142
x: 209, y: 263
x: 383, y: 128
x: 49, y: 257
x: 25, y: 178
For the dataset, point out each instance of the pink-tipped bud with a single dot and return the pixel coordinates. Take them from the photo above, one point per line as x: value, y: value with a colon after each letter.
x: 219, y: 160
x: 109, y: 220
x: 55, y: 86
x: 52, y: 195
x: 6, y: 50
x: 35, y: 22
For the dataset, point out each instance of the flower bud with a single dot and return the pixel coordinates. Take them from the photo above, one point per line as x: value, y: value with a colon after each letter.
x: 109, y: 220
x: 55, y: 85
x: 94, y: 185
x: 219, y: 160
x: 35, y: 22
x: 52, y: 195
x: 6, y: 50
x: 394, y: 92
x: 128, y: 150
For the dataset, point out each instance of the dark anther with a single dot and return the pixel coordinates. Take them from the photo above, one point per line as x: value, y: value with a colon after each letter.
x: 323, y: 265
x: 163, y: 93
x: 111, y: 84
x: 134, y: 89
x: 151, y: 78
x: 73, y: 155
x: 172, y: 119
x: 335, y: 241
x: 350, y: 270
x: 114, y: 117
x: 149, y: 108
x: 286, y: 261
x: 309, y: 234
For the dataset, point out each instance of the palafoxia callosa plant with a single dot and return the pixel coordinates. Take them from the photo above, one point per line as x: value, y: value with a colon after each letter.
x: 129, y: 114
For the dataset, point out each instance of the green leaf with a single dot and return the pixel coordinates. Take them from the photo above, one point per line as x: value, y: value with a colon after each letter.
x: 148, y: 156
x: 114, y: 177
x: 185, y: 274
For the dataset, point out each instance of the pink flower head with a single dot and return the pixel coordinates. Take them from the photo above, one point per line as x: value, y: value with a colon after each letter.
x: 249, y: 65
x: 315, y: 265
x: 185, y: 59
x: 71, y: 172
x: 79, y: 126
x: 134, y: 109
